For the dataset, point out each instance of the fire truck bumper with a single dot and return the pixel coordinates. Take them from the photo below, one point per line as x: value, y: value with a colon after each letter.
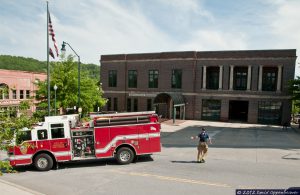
x: 16, y: 161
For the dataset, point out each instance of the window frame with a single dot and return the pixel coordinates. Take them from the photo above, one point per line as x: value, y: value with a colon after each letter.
x: 132, y: 78
x: 27, y: 94
x: 153, y: 78
x: 108, y: 104
x: 129, y: 105
x: 176, y: 79
x: 46, y: 134
x: 112, y: 78
x: 240, y: 78
x: 135, y: 105
x: 115, y: 104
x: 269, y: 112
x: 149, y: 104
x: 269, y: 82
x: 212, y: 77
x: 21, y: 94
x: 54, y: 127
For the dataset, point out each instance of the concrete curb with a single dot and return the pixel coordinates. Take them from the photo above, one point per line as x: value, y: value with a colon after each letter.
x: 11, y: 188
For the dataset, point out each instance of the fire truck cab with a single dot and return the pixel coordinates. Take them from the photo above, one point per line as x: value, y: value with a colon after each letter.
x: 63, y: 138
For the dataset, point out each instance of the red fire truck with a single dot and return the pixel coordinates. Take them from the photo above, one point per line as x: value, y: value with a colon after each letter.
x: 60, y: 138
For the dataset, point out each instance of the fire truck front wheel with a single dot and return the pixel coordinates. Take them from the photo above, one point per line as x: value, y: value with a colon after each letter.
x: 124, y: 156
x: 43, y: 162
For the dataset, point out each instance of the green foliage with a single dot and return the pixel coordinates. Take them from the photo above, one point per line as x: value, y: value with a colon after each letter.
x: 11, y: 128
x: 294, y: 90
x: 65, y: 76
x: 21, y: 63
x: 5, y: 167
x: 8, y: 62
x: 92, y: 70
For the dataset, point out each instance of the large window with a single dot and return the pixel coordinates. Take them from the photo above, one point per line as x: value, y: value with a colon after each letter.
x: 269, y: 79
x: 115, y: 104
x: 176, y: 78
x: 132, y: 78
x: 240, y: 78
x: 153, y: 79
x: 149, y: 104
x: 128, y: 104
x: 135, y: 104
x: 57, y: 130
x: 112, y: 78
x: 27, y: 94
x: 212, y: 77
x: 109, y: 104
x: 211, y: 110
x: 269, y: 112
x: 21, y: 94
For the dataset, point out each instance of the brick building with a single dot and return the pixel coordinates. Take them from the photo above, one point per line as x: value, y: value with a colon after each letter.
x: 247, y: 85
x: 16, y: 86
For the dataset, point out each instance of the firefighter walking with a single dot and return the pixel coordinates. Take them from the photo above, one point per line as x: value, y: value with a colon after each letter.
x: 202, y: 146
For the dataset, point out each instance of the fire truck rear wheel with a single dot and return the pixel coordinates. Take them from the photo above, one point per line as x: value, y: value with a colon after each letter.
x: 125, y: 156
x: 43, y: 162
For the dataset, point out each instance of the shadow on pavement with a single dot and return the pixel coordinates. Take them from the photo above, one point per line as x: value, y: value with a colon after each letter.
x: 86, y: 163
x: 227, y: 137
x: 182, y: 161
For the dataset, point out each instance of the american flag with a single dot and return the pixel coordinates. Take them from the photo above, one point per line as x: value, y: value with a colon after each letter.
x: 51, y: 33
x: 51, y: 53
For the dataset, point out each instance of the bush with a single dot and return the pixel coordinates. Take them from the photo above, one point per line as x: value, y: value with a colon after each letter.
x: 6, y: 168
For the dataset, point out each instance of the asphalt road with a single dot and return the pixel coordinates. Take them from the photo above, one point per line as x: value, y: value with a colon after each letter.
x: 241, y: 156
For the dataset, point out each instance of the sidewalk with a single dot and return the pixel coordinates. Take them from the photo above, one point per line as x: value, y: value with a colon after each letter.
x: 8, y: 188
x: 169, y: 126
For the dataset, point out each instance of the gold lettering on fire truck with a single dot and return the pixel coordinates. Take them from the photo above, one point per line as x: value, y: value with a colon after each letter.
x: 23, y: 149
x: 58, y: 145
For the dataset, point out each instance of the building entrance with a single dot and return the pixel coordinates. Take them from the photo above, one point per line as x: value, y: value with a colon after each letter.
x: 170, y: 105
x: 238, y: 110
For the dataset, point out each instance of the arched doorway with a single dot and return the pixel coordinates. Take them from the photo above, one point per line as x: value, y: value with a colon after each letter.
x: 170, y: 106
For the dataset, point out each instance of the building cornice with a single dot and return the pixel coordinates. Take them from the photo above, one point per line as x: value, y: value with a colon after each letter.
x: 197, y: 59
x: 206, y: 95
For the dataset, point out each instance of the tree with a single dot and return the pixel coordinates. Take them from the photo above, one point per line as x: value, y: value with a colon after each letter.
x: 64, y: 75
x: 8, y: 62
x: 11, y: 129
x: 294, y: 90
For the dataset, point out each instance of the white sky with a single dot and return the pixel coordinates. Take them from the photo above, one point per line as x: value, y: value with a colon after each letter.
x: 96, y: 27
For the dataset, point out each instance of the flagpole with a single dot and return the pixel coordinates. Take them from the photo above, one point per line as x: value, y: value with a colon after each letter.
x: 48, y: 67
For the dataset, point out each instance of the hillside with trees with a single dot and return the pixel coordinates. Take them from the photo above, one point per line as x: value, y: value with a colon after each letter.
x: 29, y: 64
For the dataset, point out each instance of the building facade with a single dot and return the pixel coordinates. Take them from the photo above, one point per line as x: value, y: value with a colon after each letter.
x: 17, y: 86
x: 249, y: 86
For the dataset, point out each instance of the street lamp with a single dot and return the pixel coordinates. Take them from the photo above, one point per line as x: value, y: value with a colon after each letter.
x: 55, y: 88
x: 63, y: 50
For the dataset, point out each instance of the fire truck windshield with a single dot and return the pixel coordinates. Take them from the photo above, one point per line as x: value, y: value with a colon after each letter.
x: 23, y: 136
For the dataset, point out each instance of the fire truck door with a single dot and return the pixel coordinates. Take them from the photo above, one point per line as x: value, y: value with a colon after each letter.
x: 60, y: 141
x: 154, y: 135
x: 144, y: 139
x: 102, y: 142
x: 43, y: 137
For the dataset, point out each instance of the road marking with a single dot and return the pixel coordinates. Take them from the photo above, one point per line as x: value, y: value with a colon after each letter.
x: 176, y: 179
x: 213, y: 133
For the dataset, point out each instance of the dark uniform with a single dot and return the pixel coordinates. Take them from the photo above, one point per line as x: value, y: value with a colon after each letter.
x: 202, y: 147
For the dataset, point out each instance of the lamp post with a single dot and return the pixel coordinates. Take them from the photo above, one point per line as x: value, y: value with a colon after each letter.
x: 63, y: 49
x: 55, y: 88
